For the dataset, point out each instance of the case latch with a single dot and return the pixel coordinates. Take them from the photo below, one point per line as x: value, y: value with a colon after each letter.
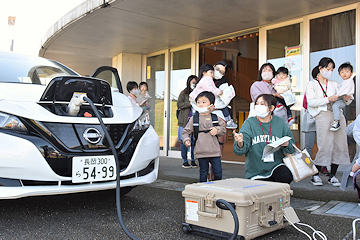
x: 209, y: 202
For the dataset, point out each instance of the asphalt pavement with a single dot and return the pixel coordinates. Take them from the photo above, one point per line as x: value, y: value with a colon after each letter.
x: 154, y: 211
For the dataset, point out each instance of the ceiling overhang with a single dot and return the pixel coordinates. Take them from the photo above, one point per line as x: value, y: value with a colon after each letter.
x: 93, y: 33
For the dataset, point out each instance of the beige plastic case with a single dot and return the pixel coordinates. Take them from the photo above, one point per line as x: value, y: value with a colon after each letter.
x: 259, y: 206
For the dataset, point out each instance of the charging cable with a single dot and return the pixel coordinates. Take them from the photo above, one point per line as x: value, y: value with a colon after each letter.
x: 112, y: 146
x: 354, y: 227
x: 221, y: 203
x: 315, y: 232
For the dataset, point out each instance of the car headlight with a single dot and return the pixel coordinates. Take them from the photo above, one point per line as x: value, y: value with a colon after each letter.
x: 143, y: 122
x: 11, y: 122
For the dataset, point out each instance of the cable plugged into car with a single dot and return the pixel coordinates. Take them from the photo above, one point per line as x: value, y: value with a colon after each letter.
x: 113, y: 150
x: 76, y: 101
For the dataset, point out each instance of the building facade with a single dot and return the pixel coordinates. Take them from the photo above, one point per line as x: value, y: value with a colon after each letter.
x: 298, y: 40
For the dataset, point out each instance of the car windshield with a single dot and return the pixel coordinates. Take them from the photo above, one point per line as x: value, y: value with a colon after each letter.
x: 18, y: 68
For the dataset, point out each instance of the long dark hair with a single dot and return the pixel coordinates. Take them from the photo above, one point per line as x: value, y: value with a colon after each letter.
x: 324, y: 62
x: 204, y: 68
x: 188, y: 89
x: 262, y: 67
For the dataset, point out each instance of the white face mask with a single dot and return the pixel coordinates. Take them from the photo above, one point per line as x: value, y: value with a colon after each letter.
x: 261, y: 111
x: 203, y: 109
x: 326, y: 74
x: 135, y: 92
x: 267, y: 76
x: 192, y: 86
x: 217, y: 74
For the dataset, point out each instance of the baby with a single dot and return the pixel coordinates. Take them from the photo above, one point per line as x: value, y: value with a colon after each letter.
x: 282, y: 84
x: 346, y: 87
x: 144, y: 96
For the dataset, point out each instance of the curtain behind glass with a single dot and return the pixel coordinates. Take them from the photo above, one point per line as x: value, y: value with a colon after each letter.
x: 343, y: 29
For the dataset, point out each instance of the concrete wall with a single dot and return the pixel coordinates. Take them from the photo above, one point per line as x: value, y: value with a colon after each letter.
x: 129, y: 68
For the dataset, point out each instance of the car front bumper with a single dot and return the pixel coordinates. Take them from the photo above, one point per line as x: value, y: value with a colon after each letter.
x: 27, y: 163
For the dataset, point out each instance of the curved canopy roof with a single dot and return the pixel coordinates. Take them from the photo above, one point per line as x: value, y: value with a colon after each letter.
x: 97, y: 30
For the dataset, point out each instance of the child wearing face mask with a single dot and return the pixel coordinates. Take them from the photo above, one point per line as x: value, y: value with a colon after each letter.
x: 132, y: 88
x: 206, y: 83
x: 207, y: 148
x: 282, y: 84
x: 144, y: 97
x: 346, y: 87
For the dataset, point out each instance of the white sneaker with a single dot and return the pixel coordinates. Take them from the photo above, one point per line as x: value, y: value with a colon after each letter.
x: 231, y: 125
x: 316, y: 180
x: 334, y: 181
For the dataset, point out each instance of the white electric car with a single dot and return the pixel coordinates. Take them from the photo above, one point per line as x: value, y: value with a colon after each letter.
x: 45, y: 150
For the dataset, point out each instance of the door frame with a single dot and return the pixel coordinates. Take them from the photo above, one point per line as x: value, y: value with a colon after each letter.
x: 166, y: 92
x: 194, y: 70
x: 305, y: 44
x: 166, y: 114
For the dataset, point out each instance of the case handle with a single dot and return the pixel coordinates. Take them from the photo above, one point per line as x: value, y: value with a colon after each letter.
x: 206, y: 214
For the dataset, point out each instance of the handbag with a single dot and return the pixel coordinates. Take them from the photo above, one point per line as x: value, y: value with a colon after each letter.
x: 300, y: 164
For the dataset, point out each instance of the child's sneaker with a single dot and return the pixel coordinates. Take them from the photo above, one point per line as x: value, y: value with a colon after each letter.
x: 334, y: 181
x: 231, y: 125
x: 335, y: 125
x: 193, y: 164
x: 186, y: 165
x: 316, y: 180
x: 291, y: 121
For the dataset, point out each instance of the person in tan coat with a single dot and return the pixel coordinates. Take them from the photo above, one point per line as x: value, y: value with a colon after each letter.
x: 207, y: 147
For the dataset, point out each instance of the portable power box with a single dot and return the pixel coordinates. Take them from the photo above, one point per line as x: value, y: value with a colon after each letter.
x: 259, y: 206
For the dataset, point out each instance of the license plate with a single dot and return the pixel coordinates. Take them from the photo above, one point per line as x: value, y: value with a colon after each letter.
x: 93, y: 169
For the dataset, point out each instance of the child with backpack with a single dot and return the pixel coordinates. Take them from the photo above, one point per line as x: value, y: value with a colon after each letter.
x: 206, y: 127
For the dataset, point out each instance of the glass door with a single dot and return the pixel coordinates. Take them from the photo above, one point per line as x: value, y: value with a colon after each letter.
x: 329, y: 38
x: 155, y: 78
x: 179, y: 72
x: 284, y: 50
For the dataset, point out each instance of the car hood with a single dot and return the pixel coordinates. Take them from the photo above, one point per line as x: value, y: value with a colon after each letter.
x: 21, y: 92
x: 22, y: 100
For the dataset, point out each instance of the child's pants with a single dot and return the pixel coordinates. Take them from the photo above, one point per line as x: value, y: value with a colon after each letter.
x: 288, y: 110
x: 204, y: 168
x: 226, y: 113
x: 339, y: 104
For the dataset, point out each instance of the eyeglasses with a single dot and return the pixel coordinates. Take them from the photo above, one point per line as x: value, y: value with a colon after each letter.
x: 221, y: 72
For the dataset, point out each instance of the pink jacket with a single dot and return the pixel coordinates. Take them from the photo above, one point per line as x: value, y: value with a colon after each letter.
x: 205, y: 84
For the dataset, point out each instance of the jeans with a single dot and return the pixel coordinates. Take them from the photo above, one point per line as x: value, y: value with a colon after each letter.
x: 204, y: 168
x: 339, y: 104
x: 288, y: 111
x: 226, y: 113
x: 184, y: 150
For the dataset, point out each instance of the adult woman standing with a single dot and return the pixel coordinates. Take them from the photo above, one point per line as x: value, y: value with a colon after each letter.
x: 220, y: 69
x: 255, y: 134
x: 185, y: 114
x: 264, y: 86
x: 333, y: 148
